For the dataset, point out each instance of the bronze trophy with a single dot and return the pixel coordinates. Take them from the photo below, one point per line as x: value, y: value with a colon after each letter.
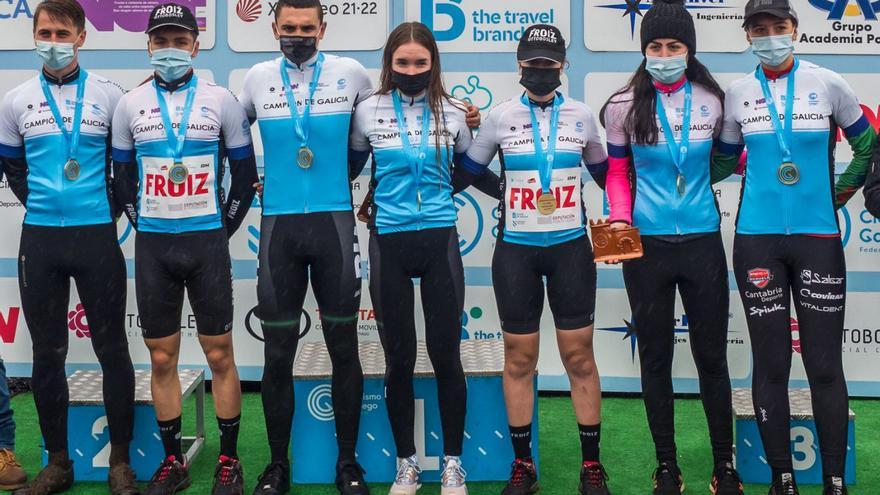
x: 608, y: 244
x: 365, y: 210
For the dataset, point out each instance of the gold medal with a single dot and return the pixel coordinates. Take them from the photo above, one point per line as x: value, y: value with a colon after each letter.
x: 546, y: 204
x: 178, y: 173
x: 305, y: 157
x: 789, y: 174
x: 71, y: 169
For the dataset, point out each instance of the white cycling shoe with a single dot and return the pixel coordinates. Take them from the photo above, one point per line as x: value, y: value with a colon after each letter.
x: 407, y: 480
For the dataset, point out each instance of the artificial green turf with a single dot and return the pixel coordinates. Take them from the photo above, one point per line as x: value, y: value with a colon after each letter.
x: 627, y: 450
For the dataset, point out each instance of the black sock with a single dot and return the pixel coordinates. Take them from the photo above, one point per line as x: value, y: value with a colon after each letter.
x: 170, y: 433
x: 589, y: 442
x: 229, y: 436
x: 521, y: 436
x: 279, y: 452
x: 119, y: 453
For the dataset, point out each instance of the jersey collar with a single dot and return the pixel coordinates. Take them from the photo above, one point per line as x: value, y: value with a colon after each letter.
x: 308, y: 64
x: 173, y: 86
x: 525, y: 100
x: 670, y: 88
x: 72, y: 76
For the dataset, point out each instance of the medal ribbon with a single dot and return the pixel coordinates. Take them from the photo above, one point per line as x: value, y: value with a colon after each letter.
x: 301, y: 120
x: 783, y: 136
x: 71, y: 138
x: 679, y: 152
x: 176, y: 140
x: 546, y: 158
x: 416, y: 159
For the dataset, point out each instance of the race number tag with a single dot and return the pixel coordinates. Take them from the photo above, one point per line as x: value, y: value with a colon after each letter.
x: 194, y: 197
x: 521, y: 201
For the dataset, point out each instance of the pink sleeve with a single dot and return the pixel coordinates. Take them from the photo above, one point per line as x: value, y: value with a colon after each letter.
x: 617, y: 185
x: 618, y: 189
x: 741, y: 164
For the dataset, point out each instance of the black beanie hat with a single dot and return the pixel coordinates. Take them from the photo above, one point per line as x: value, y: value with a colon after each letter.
x: 669, y: 19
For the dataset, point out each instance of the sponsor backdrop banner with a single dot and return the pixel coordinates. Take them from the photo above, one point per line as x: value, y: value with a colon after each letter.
x: 478, y: 39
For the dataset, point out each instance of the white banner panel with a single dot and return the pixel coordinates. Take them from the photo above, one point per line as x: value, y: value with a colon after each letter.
x: 111, y: 25
x: 481, y: 26
x: 839, y: 26
x: 614, y: 25
x: 250, y: 25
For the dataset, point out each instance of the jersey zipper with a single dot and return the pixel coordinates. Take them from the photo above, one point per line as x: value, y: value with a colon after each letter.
x: 786, y: 194
x: 676, y: 198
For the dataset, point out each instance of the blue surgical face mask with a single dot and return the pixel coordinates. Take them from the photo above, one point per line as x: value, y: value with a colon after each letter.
x: 773, y: 51
x: 55, y: 56
x: 171, y: 63
x: 666, y: 70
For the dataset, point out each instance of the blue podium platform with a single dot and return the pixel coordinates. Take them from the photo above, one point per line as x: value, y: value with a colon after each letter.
x: 89, y: 436
x: 751, y: 461
x: 487, y: 449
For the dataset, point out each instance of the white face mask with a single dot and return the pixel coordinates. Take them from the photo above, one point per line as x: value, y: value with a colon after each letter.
x: 56, y: 56
x: 773, y: 51
x: 666, y: 70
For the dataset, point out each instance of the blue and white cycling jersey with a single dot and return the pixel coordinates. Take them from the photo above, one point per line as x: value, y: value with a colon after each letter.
x: 139, y: 133
x: 823, y: 101
x: 324, y: 186
x: 28, y: 129
x: 405, y: 201
x: 508, y: 130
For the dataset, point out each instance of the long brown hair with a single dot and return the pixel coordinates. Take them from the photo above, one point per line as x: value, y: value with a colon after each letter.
x: 416, y: 32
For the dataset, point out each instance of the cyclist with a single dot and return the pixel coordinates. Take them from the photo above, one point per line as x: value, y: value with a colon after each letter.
x: 172, y: 134
x: 415, y: 131
x: 307, y: 190
x: 54, y: 132
x: 543, y: 136
x: 788, y: 112
x: 668, y: 166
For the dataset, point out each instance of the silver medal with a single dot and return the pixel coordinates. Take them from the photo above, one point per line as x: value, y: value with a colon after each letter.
x: 71, y: 169
x: 789, y: 174
x: 680, y: 184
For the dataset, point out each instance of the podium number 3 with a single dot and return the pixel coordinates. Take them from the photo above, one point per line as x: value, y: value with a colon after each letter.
x: 803, y: 454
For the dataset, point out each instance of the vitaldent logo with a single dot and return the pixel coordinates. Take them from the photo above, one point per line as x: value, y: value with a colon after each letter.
x: 635, y: 8
x: 838, y: 9
x: 470, y: 222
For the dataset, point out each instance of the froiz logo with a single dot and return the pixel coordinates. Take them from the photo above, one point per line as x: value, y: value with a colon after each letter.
x: 169, y: 11
x: 450, y: 9
x: 634, y: 9
x: 838, y: 9
x: 251, y: 317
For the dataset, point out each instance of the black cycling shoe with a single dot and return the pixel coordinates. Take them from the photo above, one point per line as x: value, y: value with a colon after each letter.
x: 170, y: 478
x: 726, y: 481
x: 275, y: 480
x: 784, y: 485
x: 593, y: 480
x: 523, y: 478
x: 667, y: 480
x: 350, y: 479
x: 228, y: 477
x: 835, y: 486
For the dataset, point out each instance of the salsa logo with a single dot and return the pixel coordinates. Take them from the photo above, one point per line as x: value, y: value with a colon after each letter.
x: 838, y: 9
x: 759, y: 277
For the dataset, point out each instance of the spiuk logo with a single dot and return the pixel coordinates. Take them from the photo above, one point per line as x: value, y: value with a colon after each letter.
x: 759, y: 277
x: 77, y: 322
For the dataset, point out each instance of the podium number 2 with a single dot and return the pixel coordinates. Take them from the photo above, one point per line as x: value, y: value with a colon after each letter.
x: 102, y: 458
x: 803, y: 454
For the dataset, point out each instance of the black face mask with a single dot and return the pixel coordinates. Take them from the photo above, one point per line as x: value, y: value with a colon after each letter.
x: 411, y: 84
x: 540, y: 81
x: 298, y: 49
